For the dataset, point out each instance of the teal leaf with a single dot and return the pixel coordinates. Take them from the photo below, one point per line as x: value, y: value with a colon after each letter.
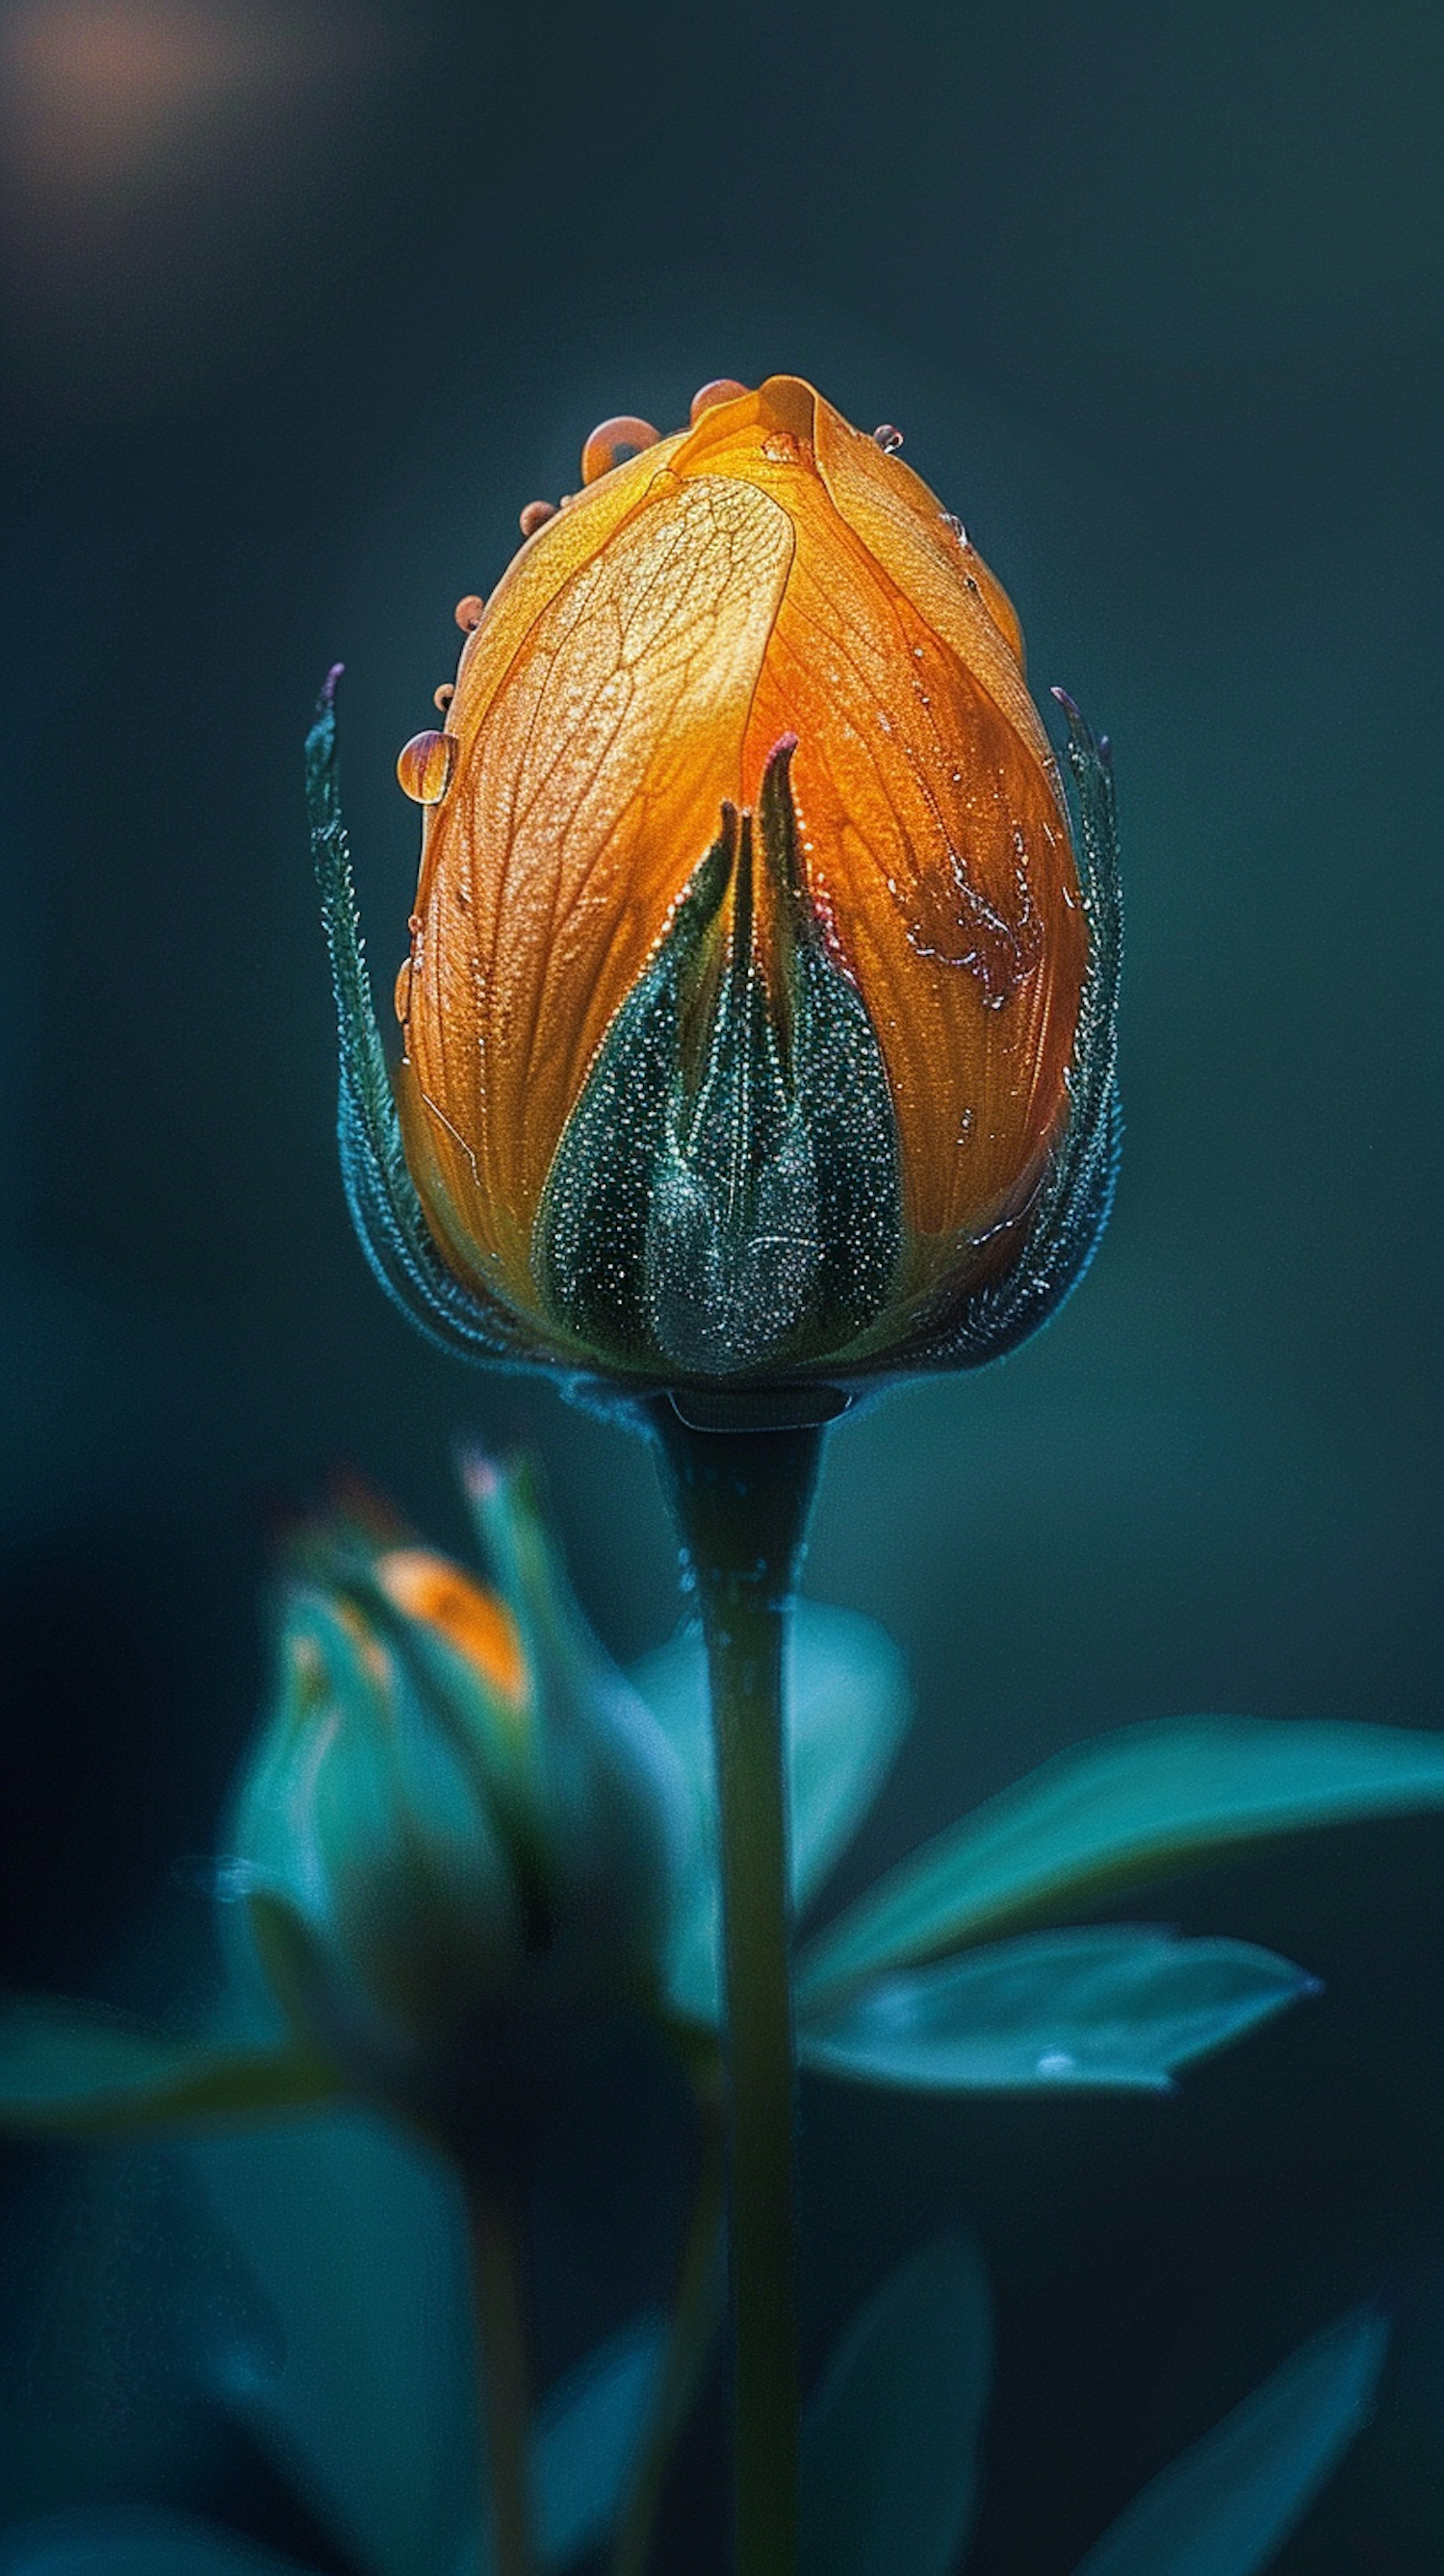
x: 848, y: 1705
x: 587, y: 2439
x: 121, y: 2540
x: 356, y: 2236
x: 1227, y: 2507
x: 67, y: 2070
x: 890, y: 2471
x: 1115, y: 2007
x: 1137, y: 1805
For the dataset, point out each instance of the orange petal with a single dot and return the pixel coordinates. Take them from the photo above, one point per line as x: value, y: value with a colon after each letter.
x: 430, y: 1588
x: 578, y: 812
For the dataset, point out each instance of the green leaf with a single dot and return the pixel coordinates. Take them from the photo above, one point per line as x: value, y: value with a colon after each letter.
x: 1227, y: 2507
x: 1137, y: 1805
x: 67, y: 2070
x: 356, y: 2237
x: 587, y: 2439
x: 848, y: 1706
x: 1113, y: 2007
x: 122, y: 2540
x: 890, y: 2440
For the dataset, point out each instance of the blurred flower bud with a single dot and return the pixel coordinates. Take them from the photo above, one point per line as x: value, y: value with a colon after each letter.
x: 759, y: 1014
x: 457, y: 1834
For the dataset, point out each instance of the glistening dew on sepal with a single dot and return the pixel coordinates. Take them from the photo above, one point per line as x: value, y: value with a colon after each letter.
x: 456, y: 1837
x: 759, y: 1016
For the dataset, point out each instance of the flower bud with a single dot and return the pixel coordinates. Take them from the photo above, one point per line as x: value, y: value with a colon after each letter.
x: 457, y: 1834
x: 759, y: 1014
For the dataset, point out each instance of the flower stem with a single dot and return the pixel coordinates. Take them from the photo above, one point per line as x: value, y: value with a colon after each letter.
x: 741, y: 1500
x: 496, y: 2271
x: 694, y: 2320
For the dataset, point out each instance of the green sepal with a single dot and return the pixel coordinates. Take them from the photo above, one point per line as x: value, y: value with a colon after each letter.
x: 1061, y: 1231
x: 380, y: 1192
x: 726, y: 1195
x: 71, y: 2072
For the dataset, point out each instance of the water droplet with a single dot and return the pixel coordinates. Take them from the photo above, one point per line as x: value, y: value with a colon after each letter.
x: 470, y: 611
x: 441, y: 698
x: 424, y: 766
x: 536, y: 515
x: 611, y: 440
x: 950, y: 520
x: 235, y: 1880
x: 888, y: 438
x: 228, y: 1880
x: 1056, y: 2061
x: 722, y: 389
x: 966, y: 1124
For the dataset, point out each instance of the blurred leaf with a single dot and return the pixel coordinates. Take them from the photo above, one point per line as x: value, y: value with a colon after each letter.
x: 1137, y: 1805
x: 588, y: 2437
x: 1230, y: 2503
x: 1117, y: 2006
x: 357, y: 2239
x: 121, y: 2540
x: 890, y: 2439
x: 119, y: 2297
x: 69, y: 2071
x: 848, y: 1705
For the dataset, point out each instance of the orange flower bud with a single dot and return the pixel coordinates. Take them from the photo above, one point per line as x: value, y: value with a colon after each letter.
x: 752, y: 973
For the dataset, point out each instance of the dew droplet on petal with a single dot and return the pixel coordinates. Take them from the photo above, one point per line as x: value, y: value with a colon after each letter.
x: 443, y: 696
x: 425, y: 765
x: 722, y: 389
x: 401, y: 996
x: 613, y: 439
x: 536, y: 515
x: 888, y: 438
x: 470, y: 611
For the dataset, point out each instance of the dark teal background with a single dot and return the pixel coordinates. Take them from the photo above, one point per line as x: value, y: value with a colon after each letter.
x: 1153, y: 296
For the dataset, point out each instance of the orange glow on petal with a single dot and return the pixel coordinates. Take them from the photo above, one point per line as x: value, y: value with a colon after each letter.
x: 579, y: 809
x: 432, y: 1590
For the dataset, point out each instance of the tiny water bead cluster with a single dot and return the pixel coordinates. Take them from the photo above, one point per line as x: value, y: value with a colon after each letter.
x: 758, y: 1011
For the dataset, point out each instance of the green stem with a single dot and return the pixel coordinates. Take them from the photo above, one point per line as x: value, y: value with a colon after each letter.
x: 741, y: 1500
x: 694, y: 2319
x: 496, y: 2269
